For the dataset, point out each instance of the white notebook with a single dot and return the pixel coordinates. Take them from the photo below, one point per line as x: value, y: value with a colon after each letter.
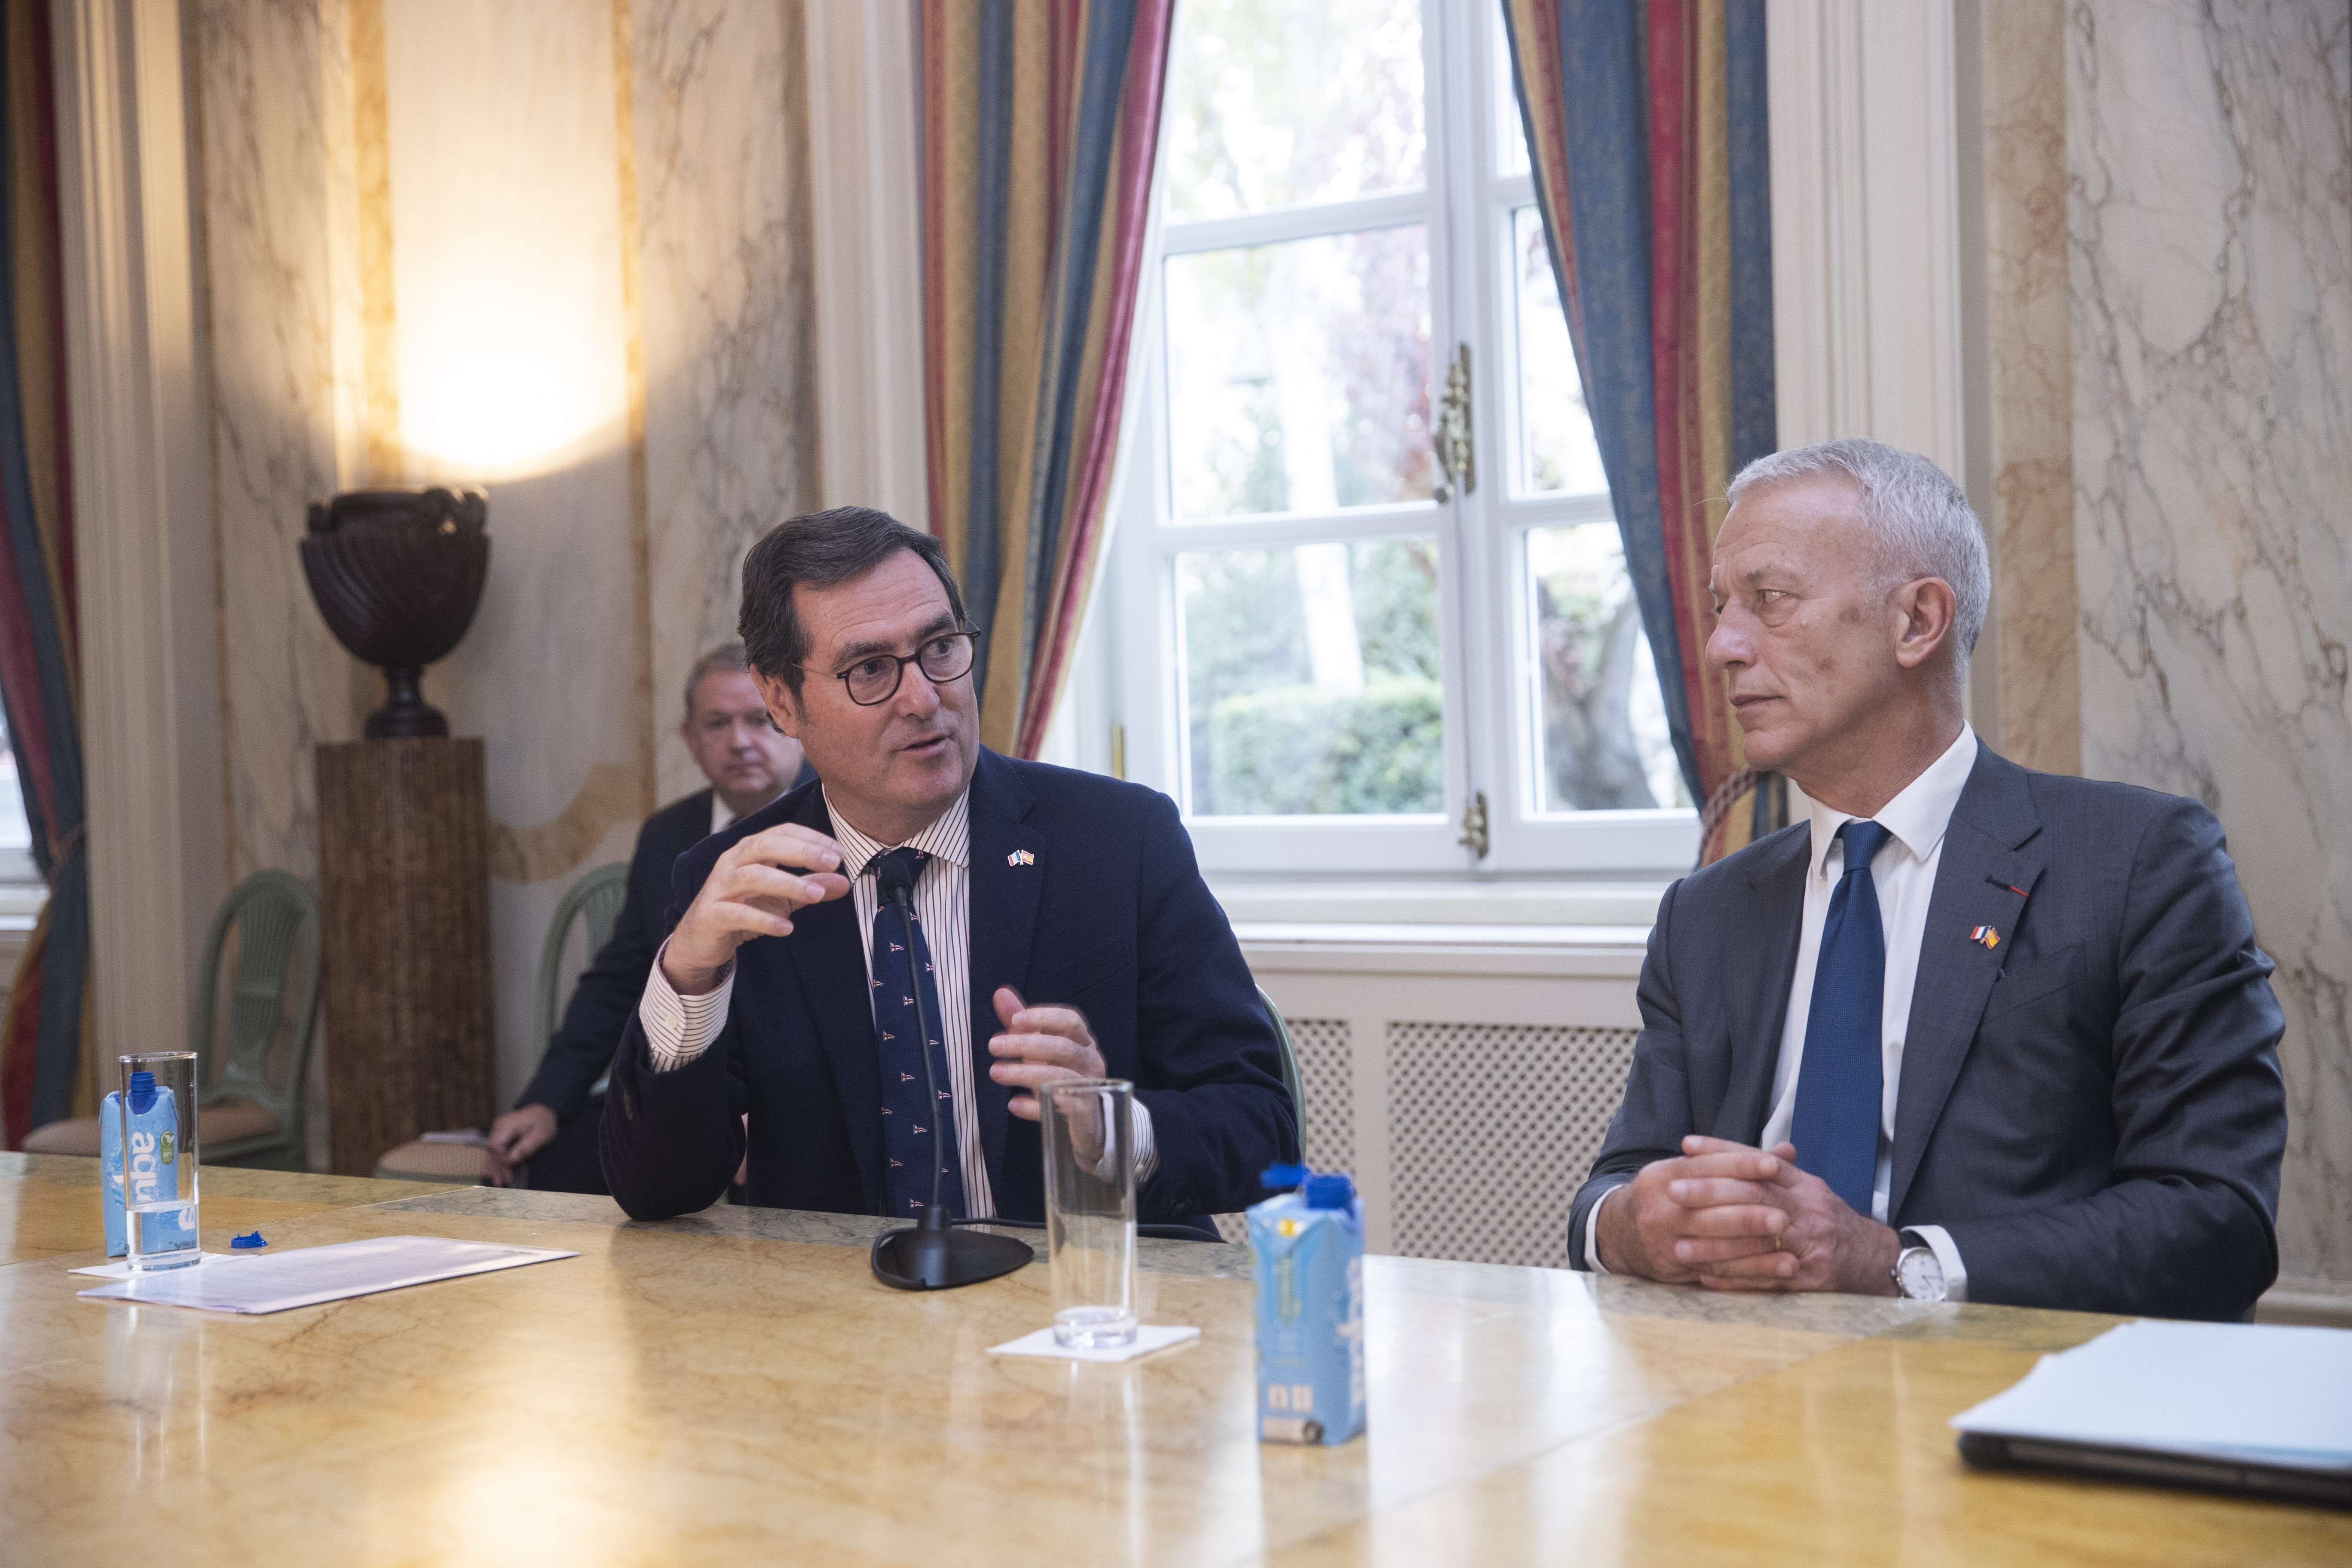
x: 2262, y: 1395
x: 310, y: 1274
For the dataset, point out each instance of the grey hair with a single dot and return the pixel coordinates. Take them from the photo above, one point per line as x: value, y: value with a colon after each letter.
x: 1922, y: 522
x: 727, y: 656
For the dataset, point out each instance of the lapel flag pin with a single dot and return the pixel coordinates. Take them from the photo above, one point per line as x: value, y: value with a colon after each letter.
x: 1985, y: 937
x: 1020, y: 858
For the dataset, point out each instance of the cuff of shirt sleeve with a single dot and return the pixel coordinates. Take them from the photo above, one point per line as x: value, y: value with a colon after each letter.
x: 680, y: 1029
x: 1592, y: 1232
x: 1938, y: 1241
x: 1147, y: 1149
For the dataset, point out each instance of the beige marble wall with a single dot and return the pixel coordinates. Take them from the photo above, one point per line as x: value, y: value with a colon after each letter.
x: 2209, y: 154
x: 557, y: 247
x: 2030, y: 432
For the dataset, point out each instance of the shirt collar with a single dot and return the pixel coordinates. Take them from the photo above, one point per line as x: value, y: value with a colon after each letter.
x: 1917, y: 816
x: 720, y: 817
x: 947, y: 839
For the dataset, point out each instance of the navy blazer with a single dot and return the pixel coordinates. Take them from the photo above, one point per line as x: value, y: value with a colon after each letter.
x: 2093, y: 1108
x: 607, y: 997
x: 1108, y: 914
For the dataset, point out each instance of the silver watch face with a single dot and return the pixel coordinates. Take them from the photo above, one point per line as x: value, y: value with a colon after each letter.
x: 1921, y: 1276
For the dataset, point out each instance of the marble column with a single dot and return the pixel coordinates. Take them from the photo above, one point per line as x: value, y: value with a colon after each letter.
x: 2208, y: 152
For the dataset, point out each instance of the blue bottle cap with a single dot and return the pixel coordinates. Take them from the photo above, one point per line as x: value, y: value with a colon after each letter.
x: 142, y: 1093
x: 1278, y: 1178
x: 1331, y: 1190
x: 251, y: 1238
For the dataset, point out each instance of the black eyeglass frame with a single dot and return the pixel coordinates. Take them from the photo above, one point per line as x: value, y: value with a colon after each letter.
x: 965, y: 635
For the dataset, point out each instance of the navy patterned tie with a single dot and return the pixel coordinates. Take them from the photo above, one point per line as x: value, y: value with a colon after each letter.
x: 907, y: 1119
x: 1840, y: 1082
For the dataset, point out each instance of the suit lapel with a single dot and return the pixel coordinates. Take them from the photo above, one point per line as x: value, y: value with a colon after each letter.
x: 1004, y: 891
x: 1760, y: 972
x: 828, y: 955
x: 1980, y: 881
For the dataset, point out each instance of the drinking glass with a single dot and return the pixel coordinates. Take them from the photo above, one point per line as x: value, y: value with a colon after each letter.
x: 1090, y: 1129
x: 158, y: 1108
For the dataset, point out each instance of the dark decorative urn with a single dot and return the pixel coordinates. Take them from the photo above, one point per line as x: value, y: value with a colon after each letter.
x: 397, y: 573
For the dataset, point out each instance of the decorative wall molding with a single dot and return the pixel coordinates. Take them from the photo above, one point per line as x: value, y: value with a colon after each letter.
x: 865, y: 168
x: 1866, y: 225
x: 141, y: 497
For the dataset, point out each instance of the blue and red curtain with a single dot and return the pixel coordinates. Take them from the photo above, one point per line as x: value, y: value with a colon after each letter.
x: 1041, y: 120
x: 1645, y: 123
x: 44, y: 1051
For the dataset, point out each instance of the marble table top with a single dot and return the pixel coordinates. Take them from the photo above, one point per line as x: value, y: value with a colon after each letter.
x: 734, y: 1386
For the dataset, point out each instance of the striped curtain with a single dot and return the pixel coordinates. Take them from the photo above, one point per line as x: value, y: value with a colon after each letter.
x: 1646, y: 127
x: 47, y: 1054
x: 1040, y: 123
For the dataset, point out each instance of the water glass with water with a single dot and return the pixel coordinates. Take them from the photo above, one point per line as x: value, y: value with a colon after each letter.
x: 1089, y: 1133
x: 158, y: 1112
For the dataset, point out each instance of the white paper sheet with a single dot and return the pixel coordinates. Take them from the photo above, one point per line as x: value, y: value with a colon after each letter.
x: 306, y: 1275
x: 1148, y: 1338
x: 2244, y: 1392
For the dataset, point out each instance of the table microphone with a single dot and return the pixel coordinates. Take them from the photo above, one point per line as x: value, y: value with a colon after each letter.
x: 932, y: 1254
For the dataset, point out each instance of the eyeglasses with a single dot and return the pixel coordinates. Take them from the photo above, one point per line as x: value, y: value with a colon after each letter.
x: 875, y: 678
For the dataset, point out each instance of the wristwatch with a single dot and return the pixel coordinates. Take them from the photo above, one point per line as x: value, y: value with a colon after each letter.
x: 1918, y: 1274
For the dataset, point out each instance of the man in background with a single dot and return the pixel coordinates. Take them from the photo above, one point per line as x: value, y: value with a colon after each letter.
x: 548, y: 1140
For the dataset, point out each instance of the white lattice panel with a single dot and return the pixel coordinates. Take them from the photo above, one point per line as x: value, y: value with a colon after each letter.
x: 1492, y: 1128
x: 1327, y: 1073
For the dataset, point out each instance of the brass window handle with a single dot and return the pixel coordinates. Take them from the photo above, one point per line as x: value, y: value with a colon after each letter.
x: 1457, y: 458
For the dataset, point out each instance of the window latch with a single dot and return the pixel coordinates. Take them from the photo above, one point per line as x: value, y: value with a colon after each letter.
x: 1474, y: 826
x: 1457, y: 460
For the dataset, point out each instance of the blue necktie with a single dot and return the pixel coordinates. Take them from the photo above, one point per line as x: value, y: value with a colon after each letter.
x: 907, y: 1117
x: 1839, y: 1084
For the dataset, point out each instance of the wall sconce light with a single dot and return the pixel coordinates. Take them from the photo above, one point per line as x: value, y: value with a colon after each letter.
x: 397, y: 574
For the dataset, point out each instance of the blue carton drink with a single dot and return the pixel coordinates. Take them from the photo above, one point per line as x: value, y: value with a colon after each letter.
x: 1310, y: 1248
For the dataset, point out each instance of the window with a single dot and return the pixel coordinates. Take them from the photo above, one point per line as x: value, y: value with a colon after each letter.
x: 1327, y: 647
x: 15, y: 833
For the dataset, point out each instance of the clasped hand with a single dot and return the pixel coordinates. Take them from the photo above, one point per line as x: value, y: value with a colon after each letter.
x: 1731, y: 1218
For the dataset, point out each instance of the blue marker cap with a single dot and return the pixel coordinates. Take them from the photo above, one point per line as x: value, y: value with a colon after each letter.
x: 1331, y: 1190
x: 142, y: 1093
x: 1280, y: 1177
x: 251, y: 1238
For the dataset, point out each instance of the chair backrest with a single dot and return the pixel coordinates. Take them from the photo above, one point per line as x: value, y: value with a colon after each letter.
x: 1290, y: 1078
x: 595, y: 901
x: 276, y: 917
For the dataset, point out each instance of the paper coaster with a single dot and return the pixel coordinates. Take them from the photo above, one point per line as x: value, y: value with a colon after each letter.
x: 1149, y: 1338
x: 120, y: 1269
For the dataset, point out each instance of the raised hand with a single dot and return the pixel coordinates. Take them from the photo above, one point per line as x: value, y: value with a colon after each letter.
x: 753, y: 890
x: 1039, y: 1046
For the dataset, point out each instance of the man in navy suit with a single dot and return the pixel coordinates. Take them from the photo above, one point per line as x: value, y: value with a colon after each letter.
x: 1973, y: 1032
x: 1061, y: 931
x: 551, y: 1133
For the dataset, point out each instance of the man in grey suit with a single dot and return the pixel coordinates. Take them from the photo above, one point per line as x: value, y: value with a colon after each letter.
x: 1973, y: 1032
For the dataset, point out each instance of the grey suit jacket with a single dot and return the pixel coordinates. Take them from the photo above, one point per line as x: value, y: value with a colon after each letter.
x: 2092, y: 1109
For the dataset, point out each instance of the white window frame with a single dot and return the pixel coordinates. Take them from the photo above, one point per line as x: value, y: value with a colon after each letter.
x: 1492, y: 744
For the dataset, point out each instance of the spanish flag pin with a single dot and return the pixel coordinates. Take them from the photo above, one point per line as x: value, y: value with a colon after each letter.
x: 1020, y: 858
x: 1985, y: 937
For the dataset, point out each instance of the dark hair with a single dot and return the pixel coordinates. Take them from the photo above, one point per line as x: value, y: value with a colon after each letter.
x: 823, y: 550
x: 727, y: 656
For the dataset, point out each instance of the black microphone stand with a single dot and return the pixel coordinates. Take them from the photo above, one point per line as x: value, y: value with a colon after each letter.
x: 932, y: 1254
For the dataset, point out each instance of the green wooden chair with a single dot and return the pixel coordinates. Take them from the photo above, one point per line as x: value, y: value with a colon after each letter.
x: 1290, y: 1078
x: 594, y: 902
x: 248, y: 1114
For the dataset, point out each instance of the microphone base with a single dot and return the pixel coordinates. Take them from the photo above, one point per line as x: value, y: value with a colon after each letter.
x: 933, y: 1255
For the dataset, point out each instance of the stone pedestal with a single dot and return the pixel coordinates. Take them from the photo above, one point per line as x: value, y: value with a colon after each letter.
x: 403, y: 882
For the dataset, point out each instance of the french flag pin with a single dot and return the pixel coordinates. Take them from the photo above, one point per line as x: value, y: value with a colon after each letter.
x: 1020, y: 858
x: 1985, y: 937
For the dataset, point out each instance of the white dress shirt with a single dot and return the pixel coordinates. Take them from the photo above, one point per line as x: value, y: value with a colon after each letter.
x: 680, y: 1029
x: 720, y: 816
x: 1904, y: 876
